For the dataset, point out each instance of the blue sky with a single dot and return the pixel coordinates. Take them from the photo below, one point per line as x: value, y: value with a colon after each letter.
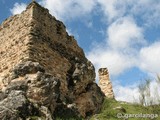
x: 122, y: 35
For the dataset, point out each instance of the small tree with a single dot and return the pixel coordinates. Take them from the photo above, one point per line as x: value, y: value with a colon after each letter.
x: 144, y: 90
x: 147, y: 98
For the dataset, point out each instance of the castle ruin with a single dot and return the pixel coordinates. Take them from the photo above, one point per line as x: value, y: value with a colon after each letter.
x: 105, y: 83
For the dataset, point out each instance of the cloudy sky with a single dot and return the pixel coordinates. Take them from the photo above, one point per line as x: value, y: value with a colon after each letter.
x: 122, y: 35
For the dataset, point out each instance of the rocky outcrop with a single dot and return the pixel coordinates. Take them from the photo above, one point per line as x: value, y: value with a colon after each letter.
x: 29, y: 91
x: 43, y: 72
x: 105, y: 83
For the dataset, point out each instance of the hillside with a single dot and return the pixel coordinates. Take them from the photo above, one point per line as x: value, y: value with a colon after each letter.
x: 112, y: 109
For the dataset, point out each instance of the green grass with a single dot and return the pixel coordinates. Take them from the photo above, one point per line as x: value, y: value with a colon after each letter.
x: 109, y: 113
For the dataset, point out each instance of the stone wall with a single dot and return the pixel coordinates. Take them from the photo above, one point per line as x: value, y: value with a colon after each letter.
x: 105, y: 83
x: 29, y: 35
x: 14, y: 36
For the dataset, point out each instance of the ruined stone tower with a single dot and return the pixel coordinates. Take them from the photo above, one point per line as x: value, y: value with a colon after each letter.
x: 43, y: 72
x: 105, y: 83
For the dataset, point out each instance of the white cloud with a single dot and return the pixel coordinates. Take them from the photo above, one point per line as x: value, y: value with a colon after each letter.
x: 116, y: 62
x: 112, y: 8
x: 150, y: 57
x: 125, y: 38
x: 69, y: 9
x: 18, y: 8
x: 124, y: 33
x: 148, y: 11
x: 126, y: 93
x: 118, y: 52
x: 64, y: 10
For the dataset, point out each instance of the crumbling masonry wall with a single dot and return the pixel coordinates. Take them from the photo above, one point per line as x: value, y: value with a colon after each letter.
x: 14, y: 37
x: 105, y: 83
x: 37, y: 37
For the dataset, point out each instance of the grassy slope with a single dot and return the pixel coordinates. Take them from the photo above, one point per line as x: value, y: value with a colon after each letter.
x: 109, y: 113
